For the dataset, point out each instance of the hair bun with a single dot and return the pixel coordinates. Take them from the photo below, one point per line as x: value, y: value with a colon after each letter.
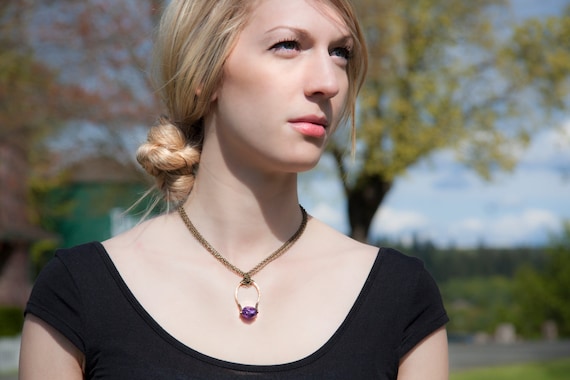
x: 169, y: 157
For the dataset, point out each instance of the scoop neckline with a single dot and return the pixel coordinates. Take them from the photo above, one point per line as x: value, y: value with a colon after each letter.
x: 177, y: 344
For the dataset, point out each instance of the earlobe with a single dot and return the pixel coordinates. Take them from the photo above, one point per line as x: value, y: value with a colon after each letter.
x: 214, y: 96
x: 217, y: 88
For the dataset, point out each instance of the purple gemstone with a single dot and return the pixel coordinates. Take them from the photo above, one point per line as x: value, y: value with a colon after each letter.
x: 248, y: 312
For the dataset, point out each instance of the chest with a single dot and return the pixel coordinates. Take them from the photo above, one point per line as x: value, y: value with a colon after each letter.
x: 300, y: 308
x: 127, y: 340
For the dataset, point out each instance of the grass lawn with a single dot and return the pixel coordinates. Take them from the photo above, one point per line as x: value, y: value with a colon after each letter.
x: 551, y: 370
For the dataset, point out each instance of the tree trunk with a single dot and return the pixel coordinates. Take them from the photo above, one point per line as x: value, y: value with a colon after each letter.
x: 363, y: 202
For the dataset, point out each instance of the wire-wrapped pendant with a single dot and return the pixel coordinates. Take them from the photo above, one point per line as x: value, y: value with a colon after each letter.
x: 247, y: 313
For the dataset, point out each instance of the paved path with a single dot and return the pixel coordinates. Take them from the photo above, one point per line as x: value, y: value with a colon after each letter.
x: 465, y: 356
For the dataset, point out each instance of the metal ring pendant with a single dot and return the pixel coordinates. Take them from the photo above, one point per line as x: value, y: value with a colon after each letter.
x: 248, y: 313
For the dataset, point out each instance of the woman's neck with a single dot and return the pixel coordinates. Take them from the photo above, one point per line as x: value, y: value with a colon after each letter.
x: 240, y: 217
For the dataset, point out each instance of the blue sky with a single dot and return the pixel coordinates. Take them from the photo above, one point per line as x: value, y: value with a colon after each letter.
x: 448, y: 204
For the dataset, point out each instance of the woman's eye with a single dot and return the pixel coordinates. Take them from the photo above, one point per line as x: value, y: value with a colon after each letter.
x: 342, y: 52
x: 286, y: 45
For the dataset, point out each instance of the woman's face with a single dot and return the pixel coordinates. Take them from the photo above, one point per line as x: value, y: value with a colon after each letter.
x: 284, y: 85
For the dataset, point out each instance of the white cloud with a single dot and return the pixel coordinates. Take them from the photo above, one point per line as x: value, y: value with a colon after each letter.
x: 549, y: 148
x: 393, y: 222
x: 470, y: 225
x: 525, y: 224
x: 525, y: 227
x: 528, y: 226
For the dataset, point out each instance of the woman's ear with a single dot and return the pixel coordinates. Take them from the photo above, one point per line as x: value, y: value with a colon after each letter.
x: 213, y: 98
x: 217, y: 88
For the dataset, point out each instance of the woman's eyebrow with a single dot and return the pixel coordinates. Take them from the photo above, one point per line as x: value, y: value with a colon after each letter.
x: 345, y: 40
x: 299, y: 31
x: 304, y: 34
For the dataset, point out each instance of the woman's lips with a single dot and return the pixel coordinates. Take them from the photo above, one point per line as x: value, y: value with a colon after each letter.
x: 311, y: 126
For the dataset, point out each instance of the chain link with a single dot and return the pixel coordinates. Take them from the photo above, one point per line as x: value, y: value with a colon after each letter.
x: 247, y: 280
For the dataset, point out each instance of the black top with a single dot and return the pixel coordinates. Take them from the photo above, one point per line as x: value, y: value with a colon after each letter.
x: 81, y: 294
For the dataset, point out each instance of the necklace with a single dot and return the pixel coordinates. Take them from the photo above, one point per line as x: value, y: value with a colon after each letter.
x: 247, y: 313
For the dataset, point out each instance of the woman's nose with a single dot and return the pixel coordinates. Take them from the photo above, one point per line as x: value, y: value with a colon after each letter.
x: 322, y: 79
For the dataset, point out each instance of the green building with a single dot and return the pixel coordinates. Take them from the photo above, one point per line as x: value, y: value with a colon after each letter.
x: 92, y: 204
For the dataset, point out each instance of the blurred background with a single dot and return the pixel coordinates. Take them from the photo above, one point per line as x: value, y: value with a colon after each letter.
x: 463, y: 158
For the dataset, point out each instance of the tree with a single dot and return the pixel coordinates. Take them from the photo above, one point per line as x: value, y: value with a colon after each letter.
x: 478, y: 304
x: 444, y: 75
x: 38, y: 99
x: 27, y: 91
x: 103, y: 47
x: 73, y: 83
x: 543, y: 294
x: 32, y: 105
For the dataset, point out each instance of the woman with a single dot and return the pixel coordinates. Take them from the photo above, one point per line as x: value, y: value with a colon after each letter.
x: 237, y: 281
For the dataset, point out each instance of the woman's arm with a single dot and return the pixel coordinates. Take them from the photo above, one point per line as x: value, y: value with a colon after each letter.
x: 429, y: 360
x: 46, y: 354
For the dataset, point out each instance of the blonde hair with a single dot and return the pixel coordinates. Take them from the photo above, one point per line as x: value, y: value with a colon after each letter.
x: 193, y: 41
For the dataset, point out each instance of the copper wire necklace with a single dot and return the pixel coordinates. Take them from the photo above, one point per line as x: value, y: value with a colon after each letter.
x: 247, y: 313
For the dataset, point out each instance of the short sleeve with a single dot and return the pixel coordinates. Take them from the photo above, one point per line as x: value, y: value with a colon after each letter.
x: 425, y: 312
x: 56, y: 300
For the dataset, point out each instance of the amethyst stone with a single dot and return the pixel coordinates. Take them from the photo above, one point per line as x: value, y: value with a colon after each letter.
x: 248, y: 312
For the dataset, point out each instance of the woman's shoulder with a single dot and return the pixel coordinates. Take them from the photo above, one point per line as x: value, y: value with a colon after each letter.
x: 335, y: 244
x: 79, y: 255
x: 145, y: 235
x: 396, y: 258
x: 335, y: 241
